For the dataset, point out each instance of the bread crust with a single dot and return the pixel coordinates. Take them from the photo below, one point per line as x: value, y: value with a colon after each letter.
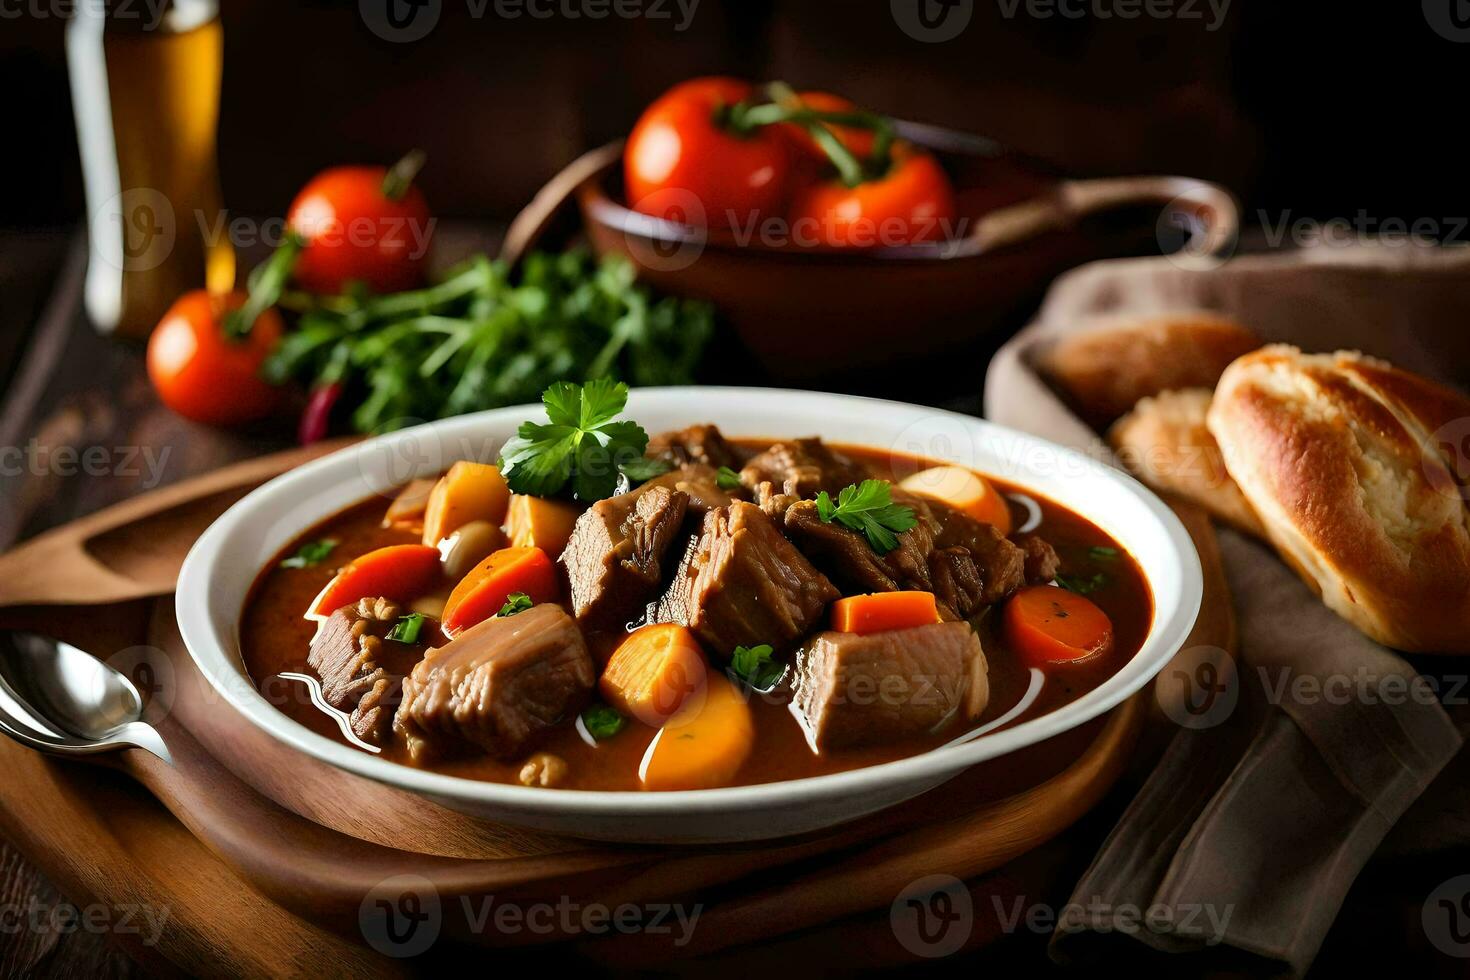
x: 1105, y: 368
x: 1337, y: 456
x: 1165, y: 442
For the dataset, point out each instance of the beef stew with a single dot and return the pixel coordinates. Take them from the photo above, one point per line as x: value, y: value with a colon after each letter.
x: 686, y: 634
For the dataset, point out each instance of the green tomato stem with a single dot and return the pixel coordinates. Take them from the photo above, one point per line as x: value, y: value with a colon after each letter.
x: 266, y: 287
x: 400, y: 176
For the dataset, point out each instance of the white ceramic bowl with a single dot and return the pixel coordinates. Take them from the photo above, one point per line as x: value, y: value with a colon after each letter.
x: 225, y: 561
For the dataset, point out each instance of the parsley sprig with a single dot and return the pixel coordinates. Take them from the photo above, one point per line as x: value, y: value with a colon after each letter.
x: 755, y: 667
x: 311, y: 553
x: 407, y: 629
x: 516, y: 602
x: 868, y: 508
x: 582, y: 443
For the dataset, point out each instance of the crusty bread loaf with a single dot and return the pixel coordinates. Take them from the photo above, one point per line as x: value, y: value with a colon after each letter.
x: 1347, y: 461
x: 1164, y: 441
x: 1105, y: 368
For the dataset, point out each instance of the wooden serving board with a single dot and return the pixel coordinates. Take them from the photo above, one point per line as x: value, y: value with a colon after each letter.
x: 301, y: 840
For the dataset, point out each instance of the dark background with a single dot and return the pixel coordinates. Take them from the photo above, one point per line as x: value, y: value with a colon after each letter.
x: 1319, y: 109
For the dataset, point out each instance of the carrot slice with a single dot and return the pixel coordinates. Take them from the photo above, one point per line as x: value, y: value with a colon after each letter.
x: 534, y: 522
x: 468, y: 492
x: 481, y: 593
x: 400, y: 572
x: 1049, y: 625
x: 965, y: 491
x: 654, y: 672
x: 882, y: 611
x: 704, y: 744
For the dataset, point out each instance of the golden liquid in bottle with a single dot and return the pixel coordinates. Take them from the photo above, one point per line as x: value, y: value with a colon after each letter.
x: 161, y: 231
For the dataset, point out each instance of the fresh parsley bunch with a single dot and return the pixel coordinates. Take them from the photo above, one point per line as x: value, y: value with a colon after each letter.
x: 868, y: 507
x: 480, y: 339
x: 582, y: 443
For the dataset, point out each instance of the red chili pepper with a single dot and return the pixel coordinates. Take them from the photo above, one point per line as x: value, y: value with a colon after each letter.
x: 317, y: 416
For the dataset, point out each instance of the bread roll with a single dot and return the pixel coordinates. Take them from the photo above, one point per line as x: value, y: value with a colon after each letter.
x: 1104, y: 369
x: 1347, y: 461
x: 1164, y: 441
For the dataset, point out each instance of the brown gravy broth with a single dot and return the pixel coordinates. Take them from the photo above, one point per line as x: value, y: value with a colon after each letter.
x: 275, y: 639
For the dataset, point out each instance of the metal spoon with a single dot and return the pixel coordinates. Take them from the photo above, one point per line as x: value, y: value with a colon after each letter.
x: 62, y: 700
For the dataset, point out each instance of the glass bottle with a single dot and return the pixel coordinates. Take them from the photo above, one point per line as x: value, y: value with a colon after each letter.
x: 145, y: 82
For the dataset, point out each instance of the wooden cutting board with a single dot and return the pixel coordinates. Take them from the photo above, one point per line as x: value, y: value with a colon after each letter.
x: 296, y: 837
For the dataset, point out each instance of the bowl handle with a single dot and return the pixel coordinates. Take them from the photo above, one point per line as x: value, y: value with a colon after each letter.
x: 537, y: 217
x: 1205, y: 211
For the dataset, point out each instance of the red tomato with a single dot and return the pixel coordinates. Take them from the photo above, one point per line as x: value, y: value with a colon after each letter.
x: 858, y: 140
x: 355, y: 232
x: 913, y: 202
x: 683, y: 163
x: 204, y: 375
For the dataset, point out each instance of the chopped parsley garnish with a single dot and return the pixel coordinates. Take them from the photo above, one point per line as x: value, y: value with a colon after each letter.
x: 727, y: 479
x: 602, y: 722
x: 868, y: 508
x: 516, y: 602
x: 1083, y: 584
x: 582, y: 443
x: 311, y: 553
x: 754, y: 666
x: 407, y: 629
x: 643, y: 469
x: 1100, y: 552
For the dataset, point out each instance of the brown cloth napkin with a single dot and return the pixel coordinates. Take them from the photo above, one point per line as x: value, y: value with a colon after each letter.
x: 1243, y: 842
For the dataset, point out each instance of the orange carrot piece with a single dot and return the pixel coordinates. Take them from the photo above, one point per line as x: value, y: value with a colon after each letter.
x: 400, y: 572
x: 1049, y: 625
x: 704, y: 744
x: 882, y: 611
x: 468, y: 492
x: 653, y: 672
x: 481, y: 593
x: 965, y: 491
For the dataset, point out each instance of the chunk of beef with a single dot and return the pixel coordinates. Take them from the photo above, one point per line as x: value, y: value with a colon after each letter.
x: 958, y: 584
x: 1001, y: 563
x: 702, y: 444
x: 497, y: 686
x: 614, y: 558
x: 362, y: 671
x: 699, y: 482
x: 741, y: 583
x: 1042, y: 563
x: 802, y: 468
x: 854, y: 690
x: 769, y: 498
x: 847, y: 558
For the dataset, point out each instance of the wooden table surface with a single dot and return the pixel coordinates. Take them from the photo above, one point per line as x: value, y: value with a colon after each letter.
x: 89, y: 432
